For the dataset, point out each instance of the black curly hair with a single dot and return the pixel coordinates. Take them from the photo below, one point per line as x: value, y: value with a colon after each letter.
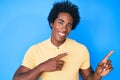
x: 64, y: 6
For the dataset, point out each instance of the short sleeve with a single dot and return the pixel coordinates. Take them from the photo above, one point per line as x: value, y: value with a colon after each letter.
x: 86, y: 59
x: 29, y: 60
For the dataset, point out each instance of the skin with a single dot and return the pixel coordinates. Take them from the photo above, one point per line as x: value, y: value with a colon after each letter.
x: 103, y: 68
x: 60, y: 30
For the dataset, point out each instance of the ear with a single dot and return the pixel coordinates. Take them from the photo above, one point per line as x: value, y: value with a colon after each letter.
x: 51, y: 24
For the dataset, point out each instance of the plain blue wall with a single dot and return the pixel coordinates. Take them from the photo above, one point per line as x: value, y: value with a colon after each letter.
x: 24, y: 23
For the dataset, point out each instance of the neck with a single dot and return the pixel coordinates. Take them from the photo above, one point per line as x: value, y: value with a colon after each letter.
x: 57, y: 43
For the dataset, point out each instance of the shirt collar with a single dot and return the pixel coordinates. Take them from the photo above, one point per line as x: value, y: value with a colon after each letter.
x: 54, y: 47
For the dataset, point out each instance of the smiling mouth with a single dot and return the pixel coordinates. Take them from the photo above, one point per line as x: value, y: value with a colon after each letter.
x: 61, y: 34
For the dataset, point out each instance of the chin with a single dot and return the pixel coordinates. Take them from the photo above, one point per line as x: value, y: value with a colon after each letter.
x: 61, y: 39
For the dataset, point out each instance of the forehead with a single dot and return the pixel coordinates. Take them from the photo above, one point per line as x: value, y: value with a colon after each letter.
x: 64, y: 15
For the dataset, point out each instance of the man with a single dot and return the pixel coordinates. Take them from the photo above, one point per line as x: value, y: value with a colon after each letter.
x: 61, y: 58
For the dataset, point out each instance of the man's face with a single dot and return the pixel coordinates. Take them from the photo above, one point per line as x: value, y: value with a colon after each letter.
x: 61, y: 28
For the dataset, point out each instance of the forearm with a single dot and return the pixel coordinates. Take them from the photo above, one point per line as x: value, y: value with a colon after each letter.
x: 53, y: 64
x: 32, y: 74
x: 94, y: 76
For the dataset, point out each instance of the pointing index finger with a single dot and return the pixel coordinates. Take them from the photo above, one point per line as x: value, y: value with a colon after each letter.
x: 60, y: 56
x: 108, y: 55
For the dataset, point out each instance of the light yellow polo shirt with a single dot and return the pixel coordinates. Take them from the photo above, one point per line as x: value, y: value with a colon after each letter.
x: 77, y: 58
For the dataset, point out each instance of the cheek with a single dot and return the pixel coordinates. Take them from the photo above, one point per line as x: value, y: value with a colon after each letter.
x: 68, y: 31
x: 56, y: 28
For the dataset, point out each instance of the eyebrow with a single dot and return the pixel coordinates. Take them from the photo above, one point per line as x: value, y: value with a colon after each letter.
x: 63, y: 21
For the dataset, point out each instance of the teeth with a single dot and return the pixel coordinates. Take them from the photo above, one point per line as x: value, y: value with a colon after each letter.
x: 62, y: 34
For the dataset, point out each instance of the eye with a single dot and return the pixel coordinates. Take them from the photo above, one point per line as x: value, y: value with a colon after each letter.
x: 69, y: 26
x: 60, y: 22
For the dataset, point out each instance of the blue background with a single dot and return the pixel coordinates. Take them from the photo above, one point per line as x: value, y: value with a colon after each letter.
x: 24, y: 23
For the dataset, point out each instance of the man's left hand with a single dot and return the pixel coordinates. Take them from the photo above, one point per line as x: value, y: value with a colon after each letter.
x: 105, y: 65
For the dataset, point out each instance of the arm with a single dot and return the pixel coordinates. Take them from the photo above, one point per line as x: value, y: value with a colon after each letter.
x: 53, y: 64
x: 89, y: 74
x: 24, y: 73
x: 103, y: 69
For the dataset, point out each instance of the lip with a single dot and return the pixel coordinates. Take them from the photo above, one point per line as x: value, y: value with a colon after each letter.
x: 61, y: 34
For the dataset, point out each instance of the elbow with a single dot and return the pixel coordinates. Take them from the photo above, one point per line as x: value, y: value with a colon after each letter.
x: 15, y: 77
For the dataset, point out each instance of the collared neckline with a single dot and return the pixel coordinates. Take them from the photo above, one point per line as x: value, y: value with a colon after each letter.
x: 55, y: 47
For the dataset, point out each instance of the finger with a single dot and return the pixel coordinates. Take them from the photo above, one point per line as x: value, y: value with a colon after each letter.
x: 58, y: 68
x: 60, y: 62
x: 60, y: 65
x: 108, y: 62
x: 60, y: 56
x: 107, y: 56
x: 108, y: 68
x: 107, y: 65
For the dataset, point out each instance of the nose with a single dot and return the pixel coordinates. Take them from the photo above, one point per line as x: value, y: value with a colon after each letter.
x: 64, y: 28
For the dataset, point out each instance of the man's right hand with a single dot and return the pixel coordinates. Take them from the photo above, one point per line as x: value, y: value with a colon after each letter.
x: 53, y: 64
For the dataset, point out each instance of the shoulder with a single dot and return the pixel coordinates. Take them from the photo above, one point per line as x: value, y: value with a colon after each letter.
x: 76, y: 43
x: 40, y: 44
